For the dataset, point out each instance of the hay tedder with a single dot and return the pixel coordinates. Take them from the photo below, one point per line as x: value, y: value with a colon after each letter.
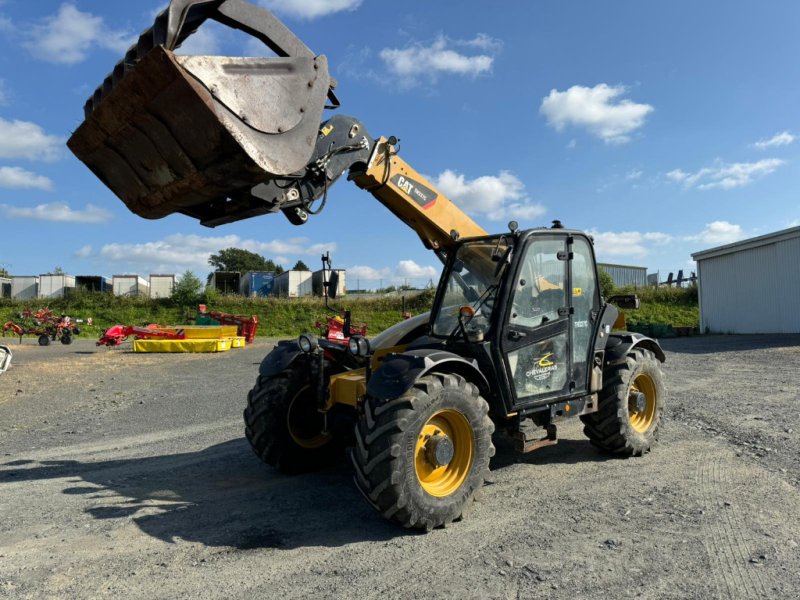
x: 43, y: 324
x: 519, y: 337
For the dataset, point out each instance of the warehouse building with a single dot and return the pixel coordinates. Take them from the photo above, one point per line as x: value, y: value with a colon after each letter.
x: 55, y: 285
x: 161, y: 286
x: 130, y: 285
x: 5, y: 287
x: 24, y: 287
x: 625, y: 275
x: 752, y: 286
x: 92, y: 283
x: 292, y: 284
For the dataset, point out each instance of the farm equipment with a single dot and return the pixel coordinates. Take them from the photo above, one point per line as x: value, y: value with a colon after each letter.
x: 43, y: 324
x: 114, y: 336
x: 246, y: 326
x: 5, y: 358
x: 518, y: 339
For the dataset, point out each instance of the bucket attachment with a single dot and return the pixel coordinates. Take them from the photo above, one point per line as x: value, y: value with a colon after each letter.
x: 196, y: 134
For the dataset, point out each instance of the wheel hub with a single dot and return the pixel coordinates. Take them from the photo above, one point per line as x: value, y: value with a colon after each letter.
x: 439, y: 450
x: 640, y: 401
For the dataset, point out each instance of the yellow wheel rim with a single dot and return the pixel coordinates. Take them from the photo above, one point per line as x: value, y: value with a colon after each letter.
x: 642, y: 415
x: 304, y: 422
x: 443, y: 480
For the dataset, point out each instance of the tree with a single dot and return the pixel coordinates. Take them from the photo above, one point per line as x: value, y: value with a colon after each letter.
x: 57, y: 271
x: 300, y: 266
x: 187, y: 290
x: 4, y: 272
x: 606, y: 283
x: 237, y: 259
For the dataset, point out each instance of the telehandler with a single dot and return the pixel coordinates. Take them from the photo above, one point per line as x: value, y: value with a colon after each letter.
x: 518, y: 338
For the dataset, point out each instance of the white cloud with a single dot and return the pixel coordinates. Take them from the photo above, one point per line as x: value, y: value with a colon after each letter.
x: 779, y: 139
x: 68, y: 36
x: 599, y: 110
x: 365, y: 272
x: 83, y: 251
x: 22, y: 139
x: 633, y: 175
x: 15, y: 177
x: 627, y: 243
x: 726, y: 175
x: 719, y: 233
x: 496, y: 197
x: 419, y: 61
x: 410, y: 269
x: 181, y: 251
x: 58, y: 212
x: 310, y: 9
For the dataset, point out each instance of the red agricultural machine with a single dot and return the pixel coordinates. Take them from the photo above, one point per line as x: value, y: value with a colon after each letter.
x: 44, y: 324
x: 114, y: 336
x: 247, y: 326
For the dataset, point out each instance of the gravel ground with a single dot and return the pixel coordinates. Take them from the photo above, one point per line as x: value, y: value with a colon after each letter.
x: 125, y: 475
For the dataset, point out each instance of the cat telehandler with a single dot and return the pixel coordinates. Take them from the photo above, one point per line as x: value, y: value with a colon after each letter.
x: 518, y: 337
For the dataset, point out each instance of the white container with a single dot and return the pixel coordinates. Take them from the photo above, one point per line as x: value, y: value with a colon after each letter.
x: 319, y: 288
x: 55, y: 286
x: 130, y: 285
x: 161, y: 286
x: 5, y: 287
x: 24, y: 287
x: 293, y: 284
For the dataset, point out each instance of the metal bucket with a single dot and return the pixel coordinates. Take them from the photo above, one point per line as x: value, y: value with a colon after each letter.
x: 188, y: 134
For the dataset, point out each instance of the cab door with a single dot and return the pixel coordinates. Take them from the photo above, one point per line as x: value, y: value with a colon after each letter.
x: 535, y: 340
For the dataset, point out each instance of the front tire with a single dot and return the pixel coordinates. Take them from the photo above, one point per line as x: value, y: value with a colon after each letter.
x: 631, y: 406
x: 44, y: 340
x: 420, y: 458
x: 283, y: 425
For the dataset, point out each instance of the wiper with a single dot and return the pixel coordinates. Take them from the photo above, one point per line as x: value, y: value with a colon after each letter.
x: 479, y: 302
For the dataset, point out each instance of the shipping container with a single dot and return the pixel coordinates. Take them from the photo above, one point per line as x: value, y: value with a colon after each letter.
x: 5, y: 287
x: 324, y: 275
x: 226, y: 282
x: 292, y: 284
x: 55, y: 286
x: 257, y: 284
x: 24, y: 287
x: 625, y: 275
x: 93, y: 283
x: 161, y: 286
x: 130, y: 285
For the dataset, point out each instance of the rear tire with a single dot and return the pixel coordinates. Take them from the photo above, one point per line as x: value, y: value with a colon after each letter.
x: 392, y: 452
x: 44, y: 340
x: 66, y: 339
x: 626, y: 422
x: 283, y: 425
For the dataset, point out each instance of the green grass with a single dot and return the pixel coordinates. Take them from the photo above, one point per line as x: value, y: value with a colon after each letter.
x: 664, y: 306
x: 278, y: 317
x: 284, y: 317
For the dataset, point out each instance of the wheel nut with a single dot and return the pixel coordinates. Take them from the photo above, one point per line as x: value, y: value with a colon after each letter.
x: 439, y: 450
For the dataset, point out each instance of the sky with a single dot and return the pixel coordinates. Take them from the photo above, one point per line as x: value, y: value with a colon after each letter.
x: 661, y: 128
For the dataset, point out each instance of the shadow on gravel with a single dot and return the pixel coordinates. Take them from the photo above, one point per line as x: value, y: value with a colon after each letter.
x: 566, y: 452
x: 713, y: 344
x: 220, y: 496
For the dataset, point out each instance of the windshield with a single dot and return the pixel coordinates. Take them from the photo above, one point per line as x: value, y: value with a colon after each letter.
x: 473, y: 280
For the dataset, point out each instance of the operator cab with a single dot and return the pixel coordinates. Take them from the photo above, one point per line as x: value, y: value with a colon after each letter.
x: 525, y: 305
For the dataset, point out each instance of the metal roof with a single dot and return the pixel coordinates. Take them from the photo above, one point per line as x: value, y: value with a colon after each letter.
x: 748, y: 244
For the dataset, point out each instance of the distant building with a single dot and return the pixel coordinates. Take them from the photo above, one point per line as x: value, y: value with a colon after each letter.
x: 161, y: 286
x: 226, y: 282
x: 625, y: 275
x: 5, y: 287
x: 292, y: 284
x: 752, y: 286
x: 130, y: 285
x: 257, y: 284
x: 92, y: 283
x: 24, y: 287
x: 55, y: 286
x: 319, y: 277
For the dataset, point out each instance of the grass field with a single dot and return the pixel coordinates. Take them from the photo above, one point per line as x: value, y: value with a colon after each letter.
x: 285, y: 317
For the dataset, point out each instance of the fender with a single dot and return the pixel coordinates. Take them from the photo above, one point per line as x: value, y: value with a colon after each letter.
x: 398, y: 372
x: 280, y: 358
x: 620, y: 343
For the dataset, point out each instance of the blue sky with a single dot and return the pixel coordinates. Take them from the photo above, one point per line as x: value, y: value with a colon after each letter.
x: 661, y: 128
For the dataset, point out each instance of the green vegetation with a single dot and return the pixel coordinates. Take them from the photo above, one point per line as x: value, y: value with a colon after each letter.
x: 243, y: 261
x: 278, y: 317
x: 664, y: 306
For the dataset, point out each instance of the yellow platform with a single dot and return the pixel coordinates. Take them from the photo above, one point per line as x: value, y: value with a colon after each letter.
x: 204, y: 332
x: 191, y: 345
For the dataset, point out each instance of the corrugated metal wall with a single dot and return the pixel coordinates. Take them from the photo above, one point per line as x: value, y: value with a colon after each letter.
x: 756, y: 290
x: 625, y: 276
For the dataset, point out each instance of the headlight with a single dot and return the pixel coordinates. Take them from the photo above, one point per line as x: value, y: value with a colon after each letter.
x: 358, y: 345
x: 307, y: 342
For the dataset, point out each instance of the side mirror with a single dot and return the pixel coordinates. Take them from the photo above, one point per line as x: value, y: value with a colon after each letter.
x: 629, y: 301
x: 333, y: 284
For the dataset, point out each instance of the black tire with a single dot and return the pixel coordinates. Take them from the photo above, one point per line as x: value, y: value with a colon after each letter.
x: 618, y: 427
x: 386, y: 451
x: 267, y: 419
x: 44, y: 340
x: 66, y: 339
x: 76, y: 331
